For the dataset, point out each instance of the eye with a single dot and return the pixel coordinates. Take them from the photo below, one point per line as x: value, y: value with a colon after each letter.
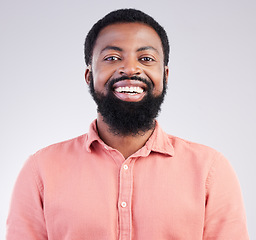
x: 111, y: 58
x: 147, y: 59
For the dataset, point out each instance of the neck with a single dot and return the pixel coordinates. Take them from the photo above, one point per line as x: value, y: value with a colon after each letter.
x: 126, y: 145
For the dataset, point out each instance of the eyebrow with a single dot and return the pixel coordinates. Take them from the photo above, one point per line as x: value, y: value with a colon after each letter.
x: 112, y: 48
x: 120, y: 49
x: 147, y: 48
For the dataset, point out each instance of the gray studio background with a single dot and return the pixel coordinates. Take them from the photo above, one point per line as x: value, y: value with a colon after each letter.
x: 211, y: 97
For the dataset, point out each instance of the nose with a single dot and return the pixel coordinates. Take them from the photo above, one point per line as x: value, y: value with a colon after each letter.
x: 130, y: 67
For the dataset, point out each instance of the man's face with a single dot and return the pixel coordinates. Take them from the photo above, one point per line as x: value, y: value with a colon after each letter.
x: 128, y: 71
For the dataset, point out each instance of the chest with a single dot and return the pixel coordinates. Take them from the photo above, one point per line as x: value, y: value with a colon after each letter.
x: 136, y: 200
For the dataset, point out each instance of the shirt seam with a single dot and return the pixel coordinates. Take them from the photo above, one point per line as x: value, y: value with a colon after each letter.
x: 36, y: 176
x: 211, y: 173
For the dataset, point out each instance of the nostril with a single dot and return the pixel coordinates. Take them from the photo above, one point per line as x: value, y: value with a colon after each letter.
x: 121, y: 70
x: 130, y: 72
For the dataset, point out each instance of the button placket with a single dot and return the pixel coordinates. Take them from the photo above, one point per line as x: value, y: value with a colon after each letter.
x: 125, y: 167
x: 125, y: 197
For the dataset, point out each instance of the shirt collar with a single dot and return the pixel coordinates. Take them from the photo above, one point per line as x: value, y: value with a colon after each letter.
x: 92, y: 136
x: 158, y: 142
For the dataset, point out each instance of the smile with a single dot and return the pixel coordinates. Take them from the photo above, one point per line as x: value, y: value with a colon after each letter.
x: 130, y: 90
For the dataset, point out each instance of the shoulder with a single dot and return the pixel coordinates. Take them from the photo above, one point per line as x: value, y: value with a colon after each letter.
x: 183, y: 146
x: 203, y: 161
x: 195, y: 154
x: 59, y: 152
x: 63, y: 146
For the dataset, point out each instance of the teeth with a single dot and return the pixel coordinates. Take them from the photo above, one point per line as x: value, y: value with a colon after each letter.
x: 131, y: 90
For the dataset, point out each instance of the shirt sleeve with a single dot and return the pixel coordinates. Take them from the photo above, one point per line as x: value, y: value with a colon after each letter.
x: 224, y: 211
x: 26, y: 215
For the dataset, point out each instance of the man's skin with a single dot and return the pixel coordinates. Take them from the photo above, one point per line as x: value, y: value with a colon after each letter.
x: 131, y: 49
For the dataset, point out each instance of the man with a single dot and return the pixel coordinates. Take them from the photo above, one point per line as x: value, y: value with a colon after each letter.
x: 126, y: 178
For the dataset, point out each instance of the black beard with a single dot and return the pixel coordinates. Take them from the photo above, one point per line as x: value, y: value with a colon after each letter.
x: 128, y: 118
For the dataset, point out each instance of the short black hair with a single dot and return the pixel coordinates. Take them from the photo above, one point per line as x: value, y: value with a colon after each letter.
x: 128, y: 15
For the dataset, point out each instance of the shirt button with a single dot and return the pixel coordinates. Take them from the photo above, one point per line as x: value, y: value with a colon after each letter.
x: 125, y: 167
x: 123, y: 204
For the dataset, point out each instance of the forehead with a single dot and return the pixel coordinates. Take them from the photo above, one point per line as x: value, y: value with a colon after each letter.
x: 128, y: 35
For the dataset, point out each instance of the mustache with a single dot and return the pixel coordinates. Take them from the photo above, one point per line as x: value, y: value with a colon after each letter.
x: 144, y: 80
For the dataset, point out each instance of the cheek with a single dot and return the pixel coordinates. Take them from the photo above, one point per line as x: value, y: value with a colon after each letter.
x: 157, y: 77
x: 99, y: 84
x: 158, y: 87
x: 100, y: 77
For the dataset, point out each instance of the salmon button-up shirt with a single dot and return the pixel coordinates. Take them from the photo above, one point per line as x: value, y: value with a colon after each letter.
x: 82, y: 189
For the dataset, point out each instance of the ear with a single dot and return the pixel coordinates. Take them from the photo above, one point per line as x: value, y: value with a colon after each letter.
x: 166, y: 72
x: 87, y: 74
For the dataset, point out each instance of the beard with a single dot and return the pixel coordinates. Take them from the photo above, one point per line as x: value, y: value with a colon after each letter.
x: 128, y: 118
